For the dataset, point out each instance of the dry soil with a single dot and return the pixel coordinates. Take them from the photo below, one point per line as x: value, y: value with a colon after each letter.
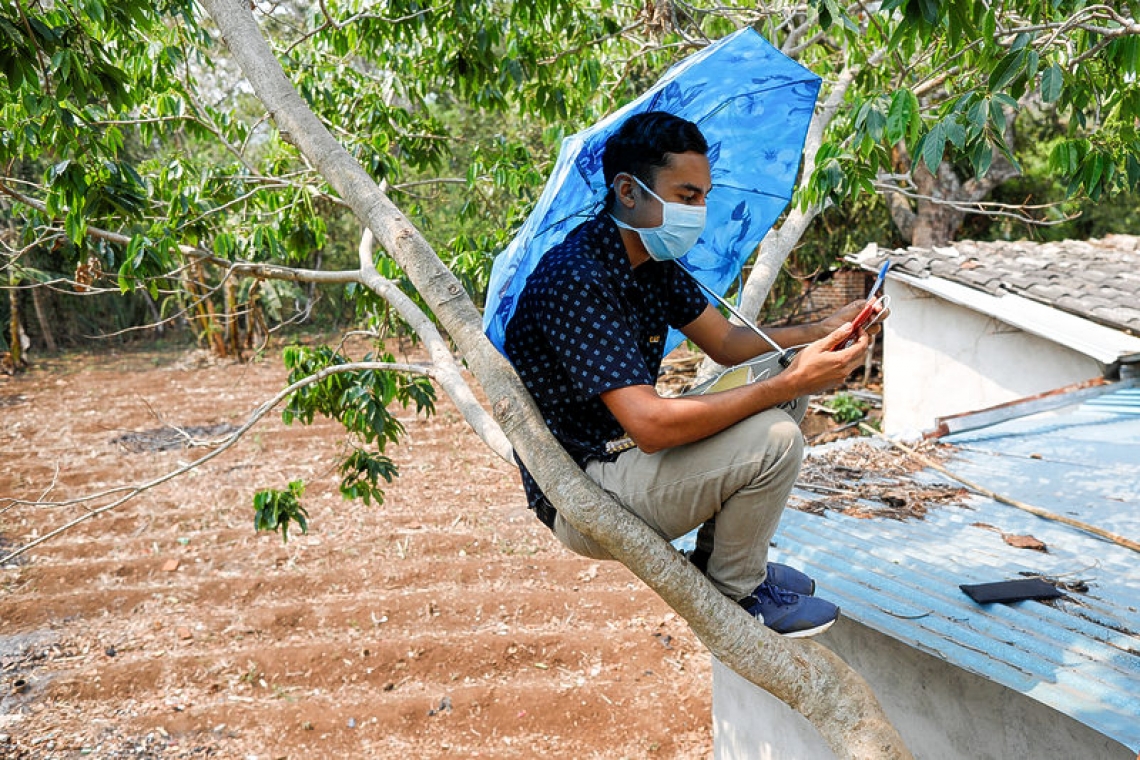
x: 446, y: 622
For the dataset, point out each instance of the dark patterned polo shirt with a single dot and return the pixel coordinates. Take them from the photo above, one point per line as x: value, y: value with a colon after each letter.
x: 587, y: 323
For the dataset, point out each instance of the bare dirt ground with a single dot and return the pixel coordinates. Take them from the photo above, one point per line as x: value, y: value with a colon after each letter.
x: 445, y: 622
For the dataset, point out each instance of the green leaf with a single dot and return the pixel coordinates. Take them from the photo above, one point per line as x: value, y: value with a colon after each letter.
x: 1091, y: 175
x: 58, y: 169
x: 997, y: 115
x: 979, y: 117
x: 933, y: 147
x: 1007, y: 69
x: 989, y: 23
x: 1051, y: 81
x: 75, y: 225
x: 274, y: 509
x: 1061, y: 159
x: 981, y: 158
x: 876, y: 124
x: 902, y: 114
x: 829, y: 12
x: 1007, y: 100
x: 956, y: 133
x: 931, y: 10
x: 1132, y: 172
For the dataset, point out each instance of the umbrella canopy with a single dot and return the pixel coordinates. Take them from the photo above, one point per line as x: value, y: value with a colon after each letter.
x: 752, y: 103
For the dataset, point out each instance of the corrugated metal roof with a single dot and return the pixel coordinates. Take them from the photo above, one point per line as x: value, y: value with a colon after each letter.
x: 1079, y: 655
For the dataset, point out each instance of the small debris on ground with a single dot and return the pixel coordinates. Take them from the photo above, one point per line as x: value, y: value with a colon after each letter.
x: 444, y: 706
x: 868, y: 480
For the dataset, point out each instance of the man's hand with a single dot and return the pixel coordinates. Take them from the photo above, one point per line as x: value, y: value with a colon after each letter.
x: 820, y: 366
x: 847, y: 313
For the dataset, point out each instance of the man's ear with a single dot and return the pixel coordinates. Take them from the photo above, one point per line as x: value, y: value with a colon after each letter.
x: 623, y: 189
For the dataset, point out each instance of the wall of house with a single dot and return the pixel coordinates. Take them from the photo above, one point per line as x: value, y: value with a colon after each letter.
x: 941, y: 359
x: 825, y: 298
x: 941, y: 711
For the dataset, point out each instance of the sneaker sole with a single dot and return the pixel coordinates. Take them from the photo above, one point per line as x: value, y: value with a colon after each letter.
x: 810, y: 631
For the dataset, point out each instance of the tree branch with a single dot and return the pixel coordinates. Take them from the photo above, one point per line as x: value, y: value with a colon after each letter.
x: 446, y: 370
x: 1016, y: 211
x: 223, y: 445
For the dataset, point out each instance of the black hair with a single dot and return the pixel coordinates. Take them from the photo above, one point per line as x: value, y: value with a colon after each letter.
x: 642, y: 145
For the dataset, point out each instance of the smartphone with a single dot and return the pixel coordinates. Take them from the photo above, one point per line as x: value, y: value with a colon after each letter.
x: 1011, y: 591
x: 868, y: 312
x: 864, y: 317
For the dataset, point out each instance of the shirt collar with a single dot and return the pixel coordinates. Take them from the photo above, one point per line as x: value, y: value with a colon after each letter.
x: 613, y: 257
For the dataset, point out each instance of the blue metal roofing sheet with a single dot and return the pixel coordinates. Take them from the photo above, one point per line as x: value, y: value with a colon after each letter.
x: 1079, y: 655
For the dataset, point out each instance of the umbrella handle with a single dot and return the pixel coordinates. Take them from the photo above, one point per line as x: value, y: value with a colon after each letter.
x: 786, y: 355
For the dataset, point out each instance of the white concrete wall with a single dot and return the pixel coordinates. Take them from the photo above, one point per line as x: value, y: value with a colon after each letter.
x: 941, y: 359
x: 941, y: 711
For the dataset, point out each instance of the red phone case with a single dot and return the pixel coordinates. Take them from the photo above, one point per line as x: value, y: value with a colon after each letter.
x: 865, y: 316
x: 862, y: 319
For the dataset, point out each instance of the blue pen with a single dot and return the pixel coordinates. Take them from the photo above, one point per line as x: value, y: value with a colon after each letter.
x: 879, y: 280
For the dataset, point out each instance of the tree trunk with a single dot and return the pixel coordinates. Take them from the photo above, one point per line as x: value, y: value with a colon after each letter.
x: 805, y: 675
x: 252, y: 311
x: 230, y: 319
x: 942, y: 202
x: 935, y: 221
x: 159, y: 325
x: 41, y: 317
x: 15, y: 349
x: 205, y: 317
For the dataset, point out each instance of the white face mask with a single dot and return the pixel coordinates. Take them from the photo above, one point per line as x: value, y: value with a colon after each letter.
x: 681, y: 227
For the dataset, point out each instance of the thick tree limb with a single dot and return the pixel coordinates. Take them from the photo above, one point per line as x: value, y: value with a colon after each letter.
x: 805, y: 675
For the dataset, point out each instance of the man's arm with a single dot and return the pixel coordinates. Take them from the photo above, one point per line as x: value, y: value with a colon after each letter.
x: 655, y: 423
x: 729, y: 344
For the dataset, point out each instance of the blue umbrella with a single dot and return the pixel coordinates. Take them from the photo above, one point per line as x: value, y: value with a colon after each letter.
x: 752, y: 103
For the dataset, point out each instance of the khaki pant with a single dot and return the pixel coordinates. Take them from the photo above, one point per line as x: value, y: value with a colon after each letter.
x: 741, y: 476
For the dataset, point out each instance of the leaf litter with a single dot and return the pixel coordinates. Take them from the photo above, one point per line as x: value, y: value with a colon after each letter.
x: 862, y: 478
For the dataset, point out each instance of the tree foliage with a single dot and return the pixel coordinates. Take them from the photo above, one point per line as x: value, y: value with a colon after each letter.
x: 360, y: 402
x: 946, y: 79
x: 128, y: 118
x: 275, y: 509
x: 135, y: 157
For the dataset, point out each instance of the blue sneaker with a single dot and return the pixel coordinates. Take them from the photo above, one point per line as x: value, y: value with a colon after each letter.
x: 788, y: 613
x: 790, y: 579
x: 787, y: 578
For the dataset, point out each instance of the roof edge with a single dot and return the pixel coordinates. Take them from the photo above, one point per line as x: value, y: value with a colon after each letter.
x: 1107, y: 345
x: 1023, y: 407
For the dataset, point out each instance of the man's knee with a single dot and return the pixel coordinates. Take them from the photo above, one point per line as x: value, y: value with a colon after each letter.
x: 787, y: 430
x: 779, y: 434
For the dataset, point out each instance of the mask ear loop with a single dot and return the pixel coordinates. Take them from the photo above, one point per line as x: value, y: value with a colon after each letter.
x: 633, y: 179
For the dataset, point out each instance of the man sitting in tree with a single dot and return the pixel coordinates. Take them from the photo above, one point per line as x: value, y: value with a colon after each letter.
x: 587, y: 339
